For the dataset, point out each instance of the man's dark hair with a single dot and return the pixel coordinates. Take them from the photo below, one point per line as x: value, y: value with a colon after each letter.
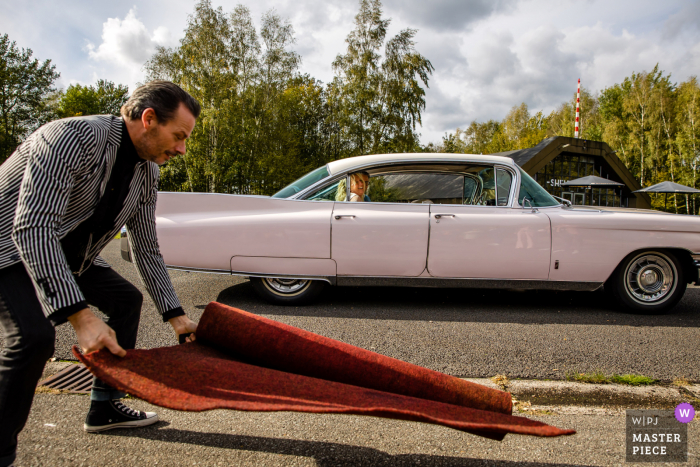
x: 163, y: 97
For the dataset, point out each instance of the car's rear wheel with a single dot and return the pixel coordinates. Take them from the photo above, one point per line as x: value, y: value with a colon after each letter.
x: 648, y: 282
x: 286, y: 291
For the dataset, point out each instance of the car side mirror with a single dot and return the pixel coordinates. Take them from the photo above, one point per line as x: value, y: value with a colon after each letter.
x: 529, y: 205
x: 564, y: 201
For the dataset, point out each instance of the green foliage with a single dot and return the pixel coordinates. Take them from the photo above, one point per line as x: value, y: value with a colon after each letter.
x: 518, y: 130
x: 257, y: 114
x: 264, y: 124
x: 25, y: 94
x: 380, y: 101
x: 651, y: 123
x: 102, y: 99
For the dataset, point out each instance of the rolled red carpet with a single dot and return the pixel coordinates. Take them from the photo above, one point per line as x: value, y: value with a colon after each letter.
x: 246, y: 362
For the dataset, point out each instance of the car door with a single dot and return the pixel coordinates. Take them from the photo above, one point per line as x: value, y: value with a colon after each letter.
x: 387, y: 233
x: 379, y: 239
x: 489, y: 239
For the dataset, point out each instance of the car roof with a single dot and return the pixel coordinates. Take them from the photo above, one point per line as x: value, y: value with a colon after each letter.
x: 343, y: 165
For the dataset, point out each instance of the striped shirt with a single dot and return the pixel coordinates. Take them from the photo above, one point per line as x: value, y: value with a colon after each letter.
x: 52, y: 183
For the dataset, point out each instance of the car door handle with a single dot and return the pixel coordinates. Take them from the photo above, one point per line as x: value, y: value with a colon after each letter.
x: 438, y: 216
x: 344, y: 215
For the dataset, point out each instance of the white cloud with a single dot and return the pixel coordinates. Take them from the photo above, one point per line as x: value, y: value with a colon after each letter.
x: 161, y: 36
x: 488, y: 55
x: 126, y: 45
x: 125, y: 41
x: 533, y: 55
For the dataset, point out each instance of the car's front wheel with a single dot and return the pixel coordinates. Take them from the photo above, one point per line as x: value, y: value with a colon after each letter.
x: 648, y: 282
x: 286, y: 291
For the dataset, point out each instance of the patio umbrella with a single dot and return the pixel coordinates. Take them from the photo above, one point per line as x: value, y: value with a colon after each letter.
x: 669, y: 187
x: 592, y: 181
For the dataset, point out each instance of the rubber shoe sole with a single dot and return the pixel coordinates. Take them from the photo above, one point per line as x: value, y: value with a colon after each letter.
x: 129, y: 424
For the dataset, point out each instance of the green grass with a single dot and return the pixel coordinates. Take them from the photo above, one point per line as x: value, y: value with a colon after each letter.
x: 597, y: 377
x: 632, y: 380
x: 600, y: 378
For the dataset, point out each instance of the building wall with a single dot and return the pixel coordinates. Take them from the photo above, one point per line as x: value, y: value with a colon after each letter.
x: 569, y: 166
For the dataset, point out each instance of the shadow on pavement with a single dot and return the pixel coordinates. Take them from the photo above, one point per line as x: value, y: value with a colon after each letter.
x: 467, y: 305
x: 324, y: 453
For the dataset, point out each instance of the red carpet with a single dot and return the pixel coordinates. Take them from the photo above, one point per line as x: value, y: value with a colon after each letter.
x: 243, y: 361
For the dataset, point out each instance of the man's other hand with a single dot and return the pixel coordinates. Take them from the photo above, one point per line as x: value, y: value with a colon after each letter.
x: 183, y: 325
x: 94, y: 334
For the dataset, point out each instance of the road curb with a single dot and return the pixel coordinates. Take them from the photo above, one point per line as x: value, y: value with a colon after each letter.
x: 615, y: 396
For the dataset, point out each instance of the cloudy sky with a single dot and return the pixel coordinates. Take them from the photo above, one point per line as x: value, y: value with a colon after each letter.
x: 488, y: 54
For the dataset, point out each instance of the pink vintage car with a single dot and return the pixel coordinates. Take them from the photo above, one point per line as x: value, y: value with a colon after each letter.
x: 428, y: 220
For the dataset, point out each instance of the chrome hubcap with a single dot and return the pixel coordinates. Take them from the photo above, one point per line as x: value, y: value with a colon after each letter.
x: 285, y: 286
x: 650, y: 278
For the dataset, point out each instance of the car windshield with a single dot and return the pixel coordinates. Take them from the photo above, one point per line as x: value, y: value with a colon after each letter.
x: 532, y: 190
x: 303, y: 183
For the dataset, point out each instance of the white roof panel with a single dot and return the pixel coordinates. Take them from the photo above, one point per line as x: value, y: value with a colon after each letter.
x: 343, y: 165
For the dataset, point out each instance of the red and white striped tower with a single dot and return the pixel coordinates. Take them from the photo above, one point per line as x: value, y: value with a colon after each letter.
x: 578, y: 96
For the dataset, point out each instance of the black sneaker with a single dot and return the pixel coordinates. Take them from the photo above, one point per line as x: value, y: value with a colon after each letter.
x: 106, y: 415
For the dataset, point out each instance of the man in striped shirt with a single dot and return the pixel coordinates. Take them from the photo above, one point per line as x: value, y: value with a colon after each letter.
x: 64, y: 194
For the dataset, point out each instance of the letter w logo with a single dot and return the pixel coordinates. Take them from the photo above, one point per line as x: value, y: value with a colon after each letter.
x: 637, y: 421
x: 685, y: 413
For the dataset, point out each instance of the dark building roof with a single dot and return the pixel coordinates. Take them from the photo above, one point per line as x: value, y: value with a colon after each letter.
x: 521, y: 156
x: 532, y: 160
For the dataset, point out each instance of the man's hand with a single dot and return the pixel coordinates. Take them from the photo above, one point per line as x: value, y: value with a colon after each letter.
x: 183, y: 325
x: 94, y: 334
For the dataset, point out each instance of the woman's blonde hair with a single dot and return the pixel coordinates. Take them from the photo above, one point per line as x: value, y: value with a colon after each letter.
x: 341, y: 193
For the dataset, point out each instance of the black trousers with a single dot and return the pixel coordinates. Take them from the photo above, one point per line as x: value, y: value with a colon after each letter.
x: 30, y: 336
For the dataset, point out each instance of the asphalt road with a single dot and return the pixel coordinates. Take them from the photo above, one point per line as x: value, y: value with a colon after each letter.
x: 54, y: 437
x: 466, y: 333
x: 462, y: 332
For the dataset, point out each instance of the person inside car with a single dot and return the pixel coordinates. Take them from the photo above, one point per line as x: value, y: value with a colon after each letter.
x: 359, y: 188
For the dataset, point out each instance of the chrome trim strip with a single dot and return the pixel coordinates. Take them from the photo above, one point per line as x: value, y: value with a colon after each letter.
x: 396, y: 281
x: 330, y: 279
x: 440, y: 282
x: 188, y: 269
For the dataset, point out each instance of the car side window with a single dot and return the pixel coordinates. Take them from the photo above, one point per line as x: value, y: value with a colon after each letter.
x: 427, y: 188
x: 485, y: 192
x: 504, y: 180
x: 472, y: 189
x: 476, y: 185
x: 327, y: 193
